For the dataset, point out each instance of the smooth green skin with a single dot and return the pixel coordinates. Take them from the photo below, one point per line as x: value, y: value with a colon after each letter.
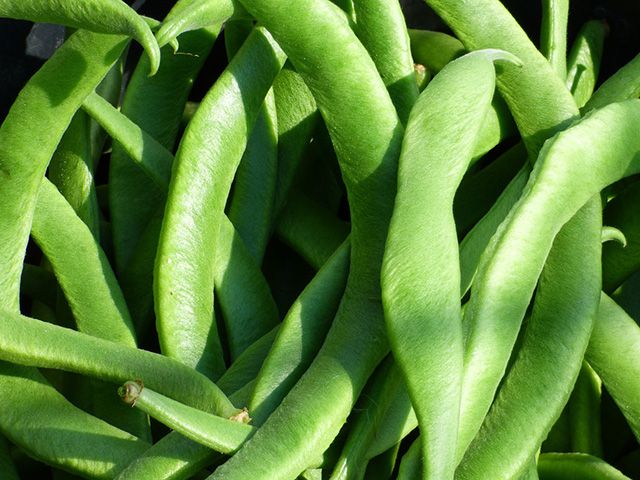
x: 247, y: 366
x: 310, y: 229
x: 219, y: 434
x: 82, y: 269
x: 584, y: 413
x: 531, y: 472
x: 300, y: 336
x: 247, y: 317
x: 252, y: 201
x: 34, y: 343
x: 39, y: 420
x: 7, y: 467
x: 420, y: 272
x: 381, y: 28
x: 537, y: 98
x: 623, y: 84
x: 155, y: 104
x: 563, y: 466
x: 505, y: 281
x: 583, y: 64
x: 347, y: 89
x: 411, y: 464
x: 298, y: 117
x: 618, y: 262
x: 39, y: 117
x: 613, y: 350
x: 479, y: 191
x: 435, y: 50
x: 101, y: 16
x: 369, y: 412
x: 553, y: 34
x: 71, y: 170
x: 154, y: 158
x: 540, y: 379
x: 188, y: 15
x: 209, y: 153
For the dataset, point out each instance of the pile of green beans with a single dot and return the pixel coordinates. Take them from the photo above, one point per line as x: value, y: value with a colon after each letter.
x: 367, y: 252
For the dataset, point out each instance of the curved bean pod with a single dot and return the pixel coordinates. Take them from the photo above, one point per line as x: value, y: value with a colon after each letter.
x: 504, y: 286
x: 553, y: 34
x: 300, y: 335
x: 38, y: 419
x: 381, y: 28
x: 184, y: 264
x: 613, y: 351
x: 584, y: 413
x: 426, y: 335
x: 101, y: 16
x: 82, y: 269
x: 612, y: 234
x: 29, y: 342
x: 43, y: 110
x: 622, y: 85
x: 219, y: 434
x: 560, y: 466
x: 540, y: 379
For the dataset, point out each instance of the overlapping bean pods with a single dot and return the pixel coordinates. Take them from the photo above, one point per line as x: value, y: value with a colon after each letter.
x: 345, y: 249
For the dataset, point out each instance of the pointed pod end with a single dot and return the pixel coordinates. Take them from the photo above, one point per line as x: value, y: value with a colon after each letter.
x: 497, y: 55
x: 130, y: 392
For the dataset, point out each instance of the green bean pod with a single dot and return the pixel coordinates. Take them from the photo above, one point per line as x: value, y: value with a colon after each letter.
x: 540, y: 379
x: 300, y: 336
x: 7, y: 466
x: 622, y: 85
x: 220, y: 434
x: 411, y: 464
x: 216, y: 137
x: 39, y: 420
x: 188, y: 15
x: 553, y: 34
x: 426, y: 334
x: 504, y: 286
x: 560, y: 466
x: 583, y: 64
x: 101, y: 16
x: 612, y: 352
x: 584, y: 413
x: 82, y: 269
x: 39, y: 117
x: 381, y: 28
x: 29, y: 342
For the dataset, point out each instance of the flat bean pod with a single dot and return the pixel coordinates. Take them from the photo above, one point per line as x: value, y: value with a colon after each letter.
x: 622, y: 85
x: 559, y: 466
x: 184, y: 264
x: 101, y: 16
x: 426, y: 335
x: 29, y: 342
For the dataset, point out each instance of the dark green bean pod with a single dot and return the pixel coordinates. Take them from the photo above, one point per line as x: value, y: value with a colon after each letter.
x: 101, y: 16
x: 411, y: 464
x: 553, y: 34
x: 82, y: 269
x: 381, y: 28
x: 39, y: 420
x: 29, y: 342
x: 382, y: 466
x: 584, y: 413
x: 540, y: 379
x: 7, y: 467
x: 310, y: 229
x: 563, y: 466
x: 39, y: 117
x: 619, y: 262
x: 623, y: 84
x: 216, y: 137
x: 219, y: 434
x: 426, y: 334
x: 613, y: 352
x: 583, y: 64
x: 188, y: 15
x: 300, y: 336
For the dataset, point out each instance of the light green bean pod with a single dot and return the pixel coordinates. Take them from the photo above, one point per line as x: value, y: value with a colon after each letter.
x: 553, y: 34
x: 101, y: 16
x: 583, y: 64
x: 561, y: 466
x: 622, y: 85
